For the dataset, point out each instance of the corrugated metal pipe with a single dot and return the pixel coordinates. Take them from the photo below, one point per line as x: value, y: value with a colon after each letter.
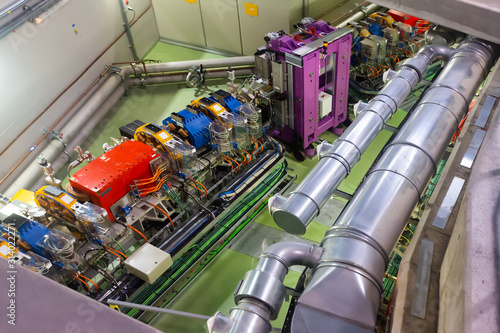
x: 295, y: 213
x: 344, y: 292
x: 261, y: 294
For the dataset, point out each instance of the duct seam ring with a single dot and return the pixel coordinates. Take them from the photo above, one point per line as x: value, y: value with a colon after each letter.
x: 356, y: 234
x: 275, y: 257
x: 339, y: 159
x: 355, y: 270
x: 444, y: 106
x: 327, y: 262
x: 434, y: 165
x: 306, y: 195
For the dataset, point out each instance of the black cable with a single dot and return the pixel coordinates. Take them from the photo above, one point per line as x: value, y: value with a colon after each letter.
x: 105, y: 274
x: 133, y: 17
x: 197, y: 202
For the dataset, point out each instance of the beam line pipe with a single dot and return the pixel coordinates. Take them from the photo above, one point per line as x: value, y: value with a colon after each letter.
x: 357, y: 248
x: 295, y: 213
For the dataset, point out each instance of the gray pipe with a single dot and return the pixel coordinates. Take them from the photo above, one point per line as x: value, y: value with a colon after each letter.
x: 84, y: 132
x: 344, y: 292
x: 361, y: 14
x: 70, y: 130
x: 137, y: 81
x: 295, y: 213
x: 261, y: 294
x: 126, y: 25
x: 185, y: 65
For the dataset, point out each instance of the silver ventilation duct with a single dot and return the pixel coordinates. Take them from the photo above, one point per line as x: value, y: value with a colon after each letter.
x: 344, y: 292
x: 261, y: 294
x: 295, y: 213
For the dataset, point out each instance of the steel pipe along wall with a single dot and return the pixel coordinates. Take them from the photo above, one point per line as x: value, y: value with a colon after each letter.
x: 295, y: 213
x: 344, y: 292
x: 97, y: 103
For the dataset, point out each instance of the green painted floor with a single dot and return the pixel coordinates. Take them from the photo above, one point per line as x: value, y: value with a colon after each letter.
x: 213, y: 289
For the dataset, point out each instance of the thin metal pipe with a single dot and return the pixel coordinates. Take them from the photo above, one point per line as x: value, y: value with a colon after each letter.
x: 155, y: 309
x: 344, y: 291
x: 295, y: 213
x: 126, y: 25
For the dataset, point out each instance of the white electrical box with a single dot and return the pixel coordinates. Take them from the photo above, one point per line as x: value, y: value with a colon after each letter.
x: 325, y: 104
x: 148, y: 263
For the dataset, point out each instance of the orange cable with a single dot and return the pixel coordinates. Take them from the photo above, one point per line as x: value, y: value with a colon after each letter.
x: 116, y: 254
x: 86, y: 278
x: 84, y: 283
x: 204, y: 188
x: 261, y: 146
x: 140, y: 233
x: 117, y: 251
x: 244, y: 159
x: 225, y: 159
x: 196, y: 187
x: 234, y: 162
x: 255, y: 146
x: 415, y: 43
x: 164, y: 213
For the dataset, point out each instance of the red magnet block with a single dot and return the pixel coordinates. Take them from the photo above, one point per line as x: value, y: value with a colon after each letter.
x: 402, y: 17
x: 108, y: 178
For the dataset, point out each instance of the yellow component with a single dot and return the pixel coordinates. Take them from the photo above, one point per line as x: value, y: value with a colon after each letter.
x: 251, y: 9
x: 56, y: 203
x: 154, y: 136
x: 7, y: 250
x: 116, y: 306
x: 364, y: 32
x: 381, y: 18
x: 28, y: 197
x: 191, y: 1
x: 214, y: 109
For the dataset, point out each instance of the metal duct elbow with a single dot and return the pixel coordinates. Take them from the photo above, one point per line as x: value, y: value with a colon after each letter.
x: 439, y: 35
x: 261, y: 294
x: 295, y: 212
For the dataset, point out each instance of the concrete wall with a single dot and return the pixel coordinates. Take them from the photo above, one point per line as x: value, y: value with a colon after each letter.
x: 469, y: 297
x: 224, y: 24
x: 40, y: 61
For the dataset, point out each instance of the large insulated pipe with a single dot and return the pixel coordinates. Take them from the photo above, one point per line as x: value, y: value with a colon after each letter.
x: 261, y: 294
x: 295, y: 213
x: 344, y: 292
